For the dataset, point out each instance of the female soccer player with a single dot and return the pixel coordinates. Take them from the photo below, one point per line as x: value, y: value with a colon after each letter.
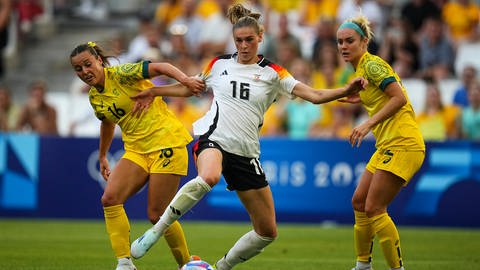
x: 400, y: 149
x: 155, y: 144
x: 244, y: 85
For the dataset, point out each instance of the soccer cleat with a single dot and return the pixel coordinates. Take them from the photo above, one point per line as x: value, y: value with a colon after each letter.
x: 363, y: 266
x: 125, y: 264
x: 142, y: 244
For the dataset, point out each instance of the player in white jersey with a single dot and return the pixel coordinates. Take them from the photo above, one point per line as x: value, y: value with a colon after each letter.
x: 242, y: 94
x: 244, y: 85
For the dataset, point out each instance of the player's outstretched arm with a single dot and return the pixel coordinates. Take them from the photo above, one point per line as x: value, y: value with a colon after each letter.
x: 157, y: 69
x: 144, y: 99
x: 318, y: 96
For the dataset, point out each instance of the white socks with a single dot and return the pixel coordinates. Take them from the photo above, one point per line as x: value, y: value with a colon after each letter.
x: 248, y: 246
x: 363, y: 266
x: 188, y: 195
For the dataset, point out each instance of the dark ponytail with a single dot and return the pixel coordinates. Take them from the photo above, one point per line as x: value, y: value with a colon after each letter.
x: 94, y: 49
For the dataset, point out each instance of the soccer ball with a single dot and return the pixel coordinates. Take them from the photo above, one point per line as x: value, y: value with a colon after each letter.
x: 197, y: 265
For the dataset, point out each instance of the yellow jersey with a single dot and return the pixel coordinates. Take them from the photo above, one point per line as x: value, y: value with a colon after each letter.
x: 155, y: 129
x: 400, y: 131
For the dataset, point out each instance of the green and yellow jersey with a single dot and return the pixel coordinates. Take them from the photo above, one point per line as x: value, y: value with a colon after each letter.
x: 400, y: 131
x: 155, y: 129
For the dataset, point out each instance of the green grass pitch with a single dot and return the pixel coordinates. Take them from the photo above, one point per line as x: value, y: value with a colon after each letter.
x: 29, y: 244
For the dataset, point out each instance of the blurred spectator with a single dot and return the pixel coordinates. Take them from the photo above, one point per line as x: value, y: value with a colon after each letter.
x: 283, y: 36
x: 399, y: 49
x: 92, y: 9
x: 436, y: 51
x: 328, y: 70
x: 146, y: 42
x: 8, y: 110
x: 216, y: 32
x: 188, y: 25
x: 461, y: 17
x: 299, y: 114
x: 5, y: 11
x: 437, y: 121
x: 326, y: 32
x: 206, y: 8
x: 312, y: 11
x: 27, y: 11
x: 83, y: 121
x: 167, y: 11
x: 339, y: 126
x: 273, y: 121
x: 37, y: 115
x: 119, y: 48
x: 415, y: 12
x: 283, y: 6
x: 469, y: 75
x: 286, y: 53
x: 470, y: 118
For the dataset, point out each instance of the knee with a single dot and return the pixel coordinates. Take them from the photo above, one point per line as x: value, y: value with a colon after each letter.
x: 358, y: 204
x: 372, y: 210
x: 211, y: 179
x: 109, y: 200
x: 271, y: 233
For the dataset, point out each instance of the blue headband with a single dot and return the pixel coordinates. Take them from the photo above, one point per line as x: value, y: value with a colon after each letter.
x: 354, y: 26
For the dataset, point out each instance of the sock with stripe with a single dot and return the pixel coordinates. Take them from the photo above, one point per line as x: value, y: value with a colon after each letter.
x: 363, y: 235
x: 389, y: 240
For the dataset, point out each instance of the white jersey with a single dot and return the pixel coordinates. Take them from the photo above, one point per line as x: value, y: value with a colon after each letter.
x: 241, y: 96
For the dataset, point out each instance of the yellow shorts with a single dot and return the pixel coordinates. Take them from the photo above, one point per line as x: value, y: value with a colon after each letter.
x: 166, y: 161
x: 399, y: 162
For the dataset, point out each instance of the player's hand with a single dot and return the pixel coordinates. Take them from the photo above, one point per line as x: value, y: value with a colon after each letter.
x: 353, y: 98
x: 195, y: 85
x: 358, y: 133
x: 143, y: 100
x: 356, y: 85
x: 104, y: 168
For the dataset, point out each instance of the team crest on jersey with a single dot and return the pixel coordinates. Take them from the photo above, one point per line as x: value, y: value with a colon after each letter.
x: 256, y: 77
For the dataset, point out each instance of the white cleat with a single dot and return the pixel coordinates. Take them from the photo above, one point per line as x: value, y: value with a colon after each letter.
x: 142, y: 244
x: 125, y: 264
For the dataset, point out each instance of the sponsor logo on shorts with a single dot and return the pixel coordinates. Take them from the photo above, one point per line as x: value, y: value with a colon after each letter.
x: 165, y: 163
x: 388, y: 157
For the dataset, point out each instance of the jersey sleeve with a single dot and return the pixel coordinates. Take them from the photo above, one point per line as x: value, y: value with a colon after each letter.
x: 287, y: 84
x: 379, y: 73
x: 207, y: 70
x: 286, y: 81
x: 129, y: 74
